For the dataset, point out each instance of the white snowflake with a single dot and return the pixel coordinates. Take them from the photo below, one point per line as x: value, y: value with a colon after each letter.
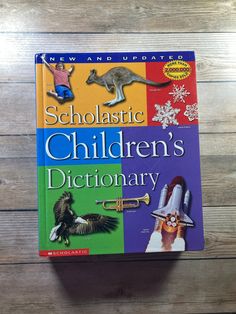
x: 166, y: 114
x: 191, y: 112
x: 179, y: 93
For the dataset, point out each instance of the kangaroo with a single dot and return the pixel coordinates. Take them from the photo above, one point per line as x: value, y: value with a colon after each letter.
x: 115, y: 79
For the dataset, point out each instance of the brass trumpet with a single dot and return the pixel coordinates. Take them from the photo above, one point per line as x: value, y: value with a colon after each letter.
x: 124, y: 203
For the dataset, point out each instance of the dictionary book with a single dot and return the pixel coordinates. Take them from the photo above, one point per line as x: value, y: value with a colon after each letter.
x: 118, y: 157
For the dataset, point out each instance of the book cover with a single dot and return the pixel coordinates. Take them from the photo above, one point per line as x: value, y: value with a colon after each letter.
x: 118, y: 153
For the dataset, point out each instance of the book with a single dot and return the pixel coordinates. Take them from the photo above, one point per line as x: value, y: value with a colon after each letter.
x: 118, y: 153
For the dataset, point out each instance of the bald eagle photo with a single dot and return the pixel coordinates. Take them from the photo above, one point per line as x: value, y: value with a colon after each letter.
x: 68, y: 223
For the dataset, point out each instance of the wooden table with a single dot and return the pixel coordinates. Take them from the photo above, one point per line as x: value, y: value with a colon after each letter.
x: 196, y: 282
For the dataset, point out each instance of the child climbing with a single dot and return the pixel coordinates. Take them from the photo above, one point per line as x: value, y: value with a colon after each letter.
x: 61, y: 76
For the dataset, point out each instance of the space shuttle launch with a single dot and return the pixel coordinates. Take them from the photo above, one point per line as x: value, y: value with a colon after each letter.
x: 173, y: 206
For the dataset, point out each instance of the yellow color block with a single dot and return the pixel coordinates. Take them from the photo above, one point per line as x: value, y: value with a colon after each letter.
x: 87, y: 97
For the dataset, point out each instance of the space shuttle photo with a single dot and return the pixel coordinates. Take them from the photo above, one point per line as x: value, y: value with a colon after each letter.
x: 171, y: 218
x: 174, y: 213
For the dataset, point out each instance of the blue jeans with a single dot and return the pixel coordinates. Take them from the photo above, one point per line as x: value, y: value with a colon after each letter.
x: 64, y: 92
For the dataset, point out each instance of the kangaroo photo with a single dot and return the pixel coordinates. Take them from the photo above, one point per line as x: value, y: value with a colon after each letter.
x: 115, y: 79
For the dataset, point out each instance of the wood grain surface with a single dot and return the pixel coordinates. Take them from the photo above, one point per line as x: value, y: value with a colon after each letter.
x: 121, y: 16
x: 119, y: 287
x: 215, y: 52
x: 190, y: 282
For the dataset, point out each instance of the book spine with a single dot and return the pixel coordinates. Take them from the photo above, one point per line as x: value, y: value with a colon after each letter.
x: 40, y: 99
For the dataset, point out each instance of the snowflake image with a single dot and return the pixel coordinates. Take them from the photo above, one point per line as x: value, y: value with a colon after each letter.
x: 179, y: 93
x: 191, y: 112
x: 166, y: 114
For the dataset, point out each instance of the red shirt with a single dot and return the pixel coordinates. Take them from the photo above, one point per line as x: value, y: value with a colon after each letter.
x: 61, y: 77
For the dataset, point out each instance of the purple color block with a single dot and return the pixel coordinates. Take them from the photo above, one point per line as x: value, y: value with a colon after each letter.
x: 138, y: 223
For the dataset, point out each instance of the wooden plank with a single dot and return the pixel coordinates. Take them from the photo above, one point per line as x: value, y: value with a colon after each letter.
x: 17, y: 146
x: 215, y: 51
x: 18, y: 183
x: 206, y: 286
x: 218, y: 180
x: 105, y: 16
x: 21, y: 243
x: 217, y: 108
x: 18, y: 178
x: 218, y: 144
x: 17, y: 103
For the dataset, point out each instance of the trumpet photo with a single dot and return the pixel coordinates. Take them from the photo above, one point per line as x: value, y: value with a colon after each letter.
x: 120, y: 204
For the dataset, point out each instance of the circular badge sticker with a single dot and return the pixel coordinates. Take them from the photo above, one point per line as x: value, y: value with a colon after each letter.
x: 177, y: 70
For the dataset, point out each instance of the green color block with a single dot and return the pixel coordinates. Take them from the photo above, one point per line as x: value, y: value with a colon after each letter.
x: 84, y: 203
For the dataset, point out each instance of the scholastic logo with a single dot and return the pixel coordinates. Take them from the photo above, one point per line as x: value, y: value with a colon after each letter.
x: 177, y: 70
x: 56, y: 253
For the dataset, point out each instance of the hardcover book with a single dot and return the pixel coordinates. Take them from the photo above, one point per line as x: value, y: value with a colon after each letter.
x: 118, y: 153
